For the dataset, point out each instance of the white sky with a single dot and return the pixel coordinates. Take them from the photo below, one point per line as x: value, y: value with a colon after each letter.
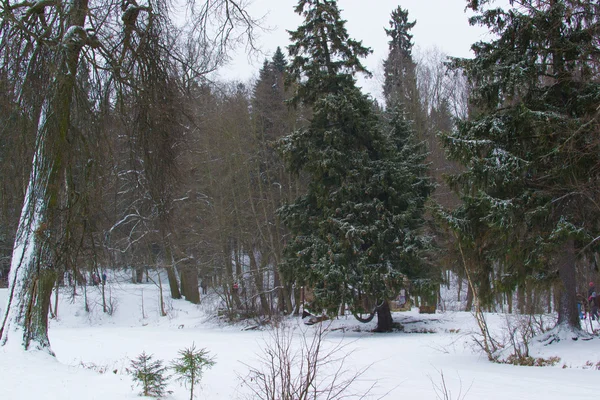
x: 440, y: 23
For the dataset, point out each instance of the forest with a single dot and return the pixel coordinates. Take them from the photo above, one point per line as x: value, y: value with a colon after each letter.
x: 296, y: 191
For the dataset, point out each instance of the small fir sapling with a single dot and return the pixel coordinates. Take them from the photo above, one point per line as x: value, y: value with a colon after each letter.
x: 190, y: 365
x: 150, y: 374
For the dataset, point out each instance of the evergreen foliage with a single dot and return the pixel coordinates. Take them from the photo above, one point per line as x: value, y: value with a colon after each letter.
x: 400, y: 81
x: 530, y: 146
x: 279, y: 62
x: 324, y: 57
x: 150, y: 374
x: 272, y: 119
x: 190, y: 365
x: 405, y: 116
x: 268, y: 98
x: 356, y: 230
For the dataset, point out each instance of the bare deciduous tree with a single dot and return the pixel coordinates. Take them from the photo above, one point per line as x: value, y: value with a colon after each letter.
x: 54, y: 44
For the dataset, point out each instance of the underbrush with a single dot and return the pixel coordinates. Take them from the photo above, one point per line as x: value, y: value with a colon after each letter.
x: 528, y: 361
x: 512, y: 344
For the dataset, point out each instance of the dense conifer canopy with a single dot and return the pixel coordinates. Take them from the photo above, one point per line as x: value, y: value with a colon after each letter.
x: 324, y: 58
x: 530, y: 146
x: 355, y: 231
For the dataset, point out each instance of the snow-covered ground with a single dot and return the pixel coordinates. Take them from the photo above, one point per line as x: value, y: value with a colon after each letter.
x: 93, y: 351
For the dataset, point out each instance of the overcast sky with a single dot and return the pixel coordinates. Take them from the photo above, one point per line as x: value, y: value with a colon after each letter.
x: 440, y: 23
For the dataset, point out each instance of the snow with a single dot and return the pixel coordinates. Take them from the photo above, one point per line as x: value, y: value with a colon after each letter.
x: 94, y: 349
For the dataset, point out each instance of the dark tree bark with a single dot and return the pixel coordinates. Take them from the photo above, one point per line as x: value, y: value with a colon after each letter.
x: 238, y: 284
x: 171, y: 274
x: 469, y: 305
x: 385, y: 323
x: 173, y: 286
x: 139, y: 275
x: 258, y: 282
x: 567, y: 310
x: 521, y: 298
x: 32, y: 273
x: 189, y: 284
x: 230, y: 279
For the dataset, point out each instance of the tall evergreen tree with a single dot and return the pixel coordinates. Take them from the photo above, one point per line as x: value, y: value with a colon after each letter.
x: 268, y: 99
x: 324, y: 56
x: 400, y: 85
x: 279, y: 62
x: 530, y: 147
x: 272, y: 119
x: 400, y: 72
x: 356, y: 230
x: 404, y: 108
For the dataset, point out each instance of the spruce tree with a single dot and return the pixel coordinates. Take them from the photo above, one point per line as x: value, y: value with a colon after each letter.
x: 190, y: 366
x: 279, y: 62
x: 272, y: 119
x: 269, y: 111
x: 403, y: 110
x: 324, y: 57
x: 400, y: 72
x: 530, y: 147
x: 400, y: 83
x: 150, y: 374
x: 356, y: 230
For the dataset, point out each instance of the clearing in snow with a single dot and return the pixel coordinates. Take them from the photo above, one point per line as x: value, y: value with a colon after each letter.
x: 93, y: 352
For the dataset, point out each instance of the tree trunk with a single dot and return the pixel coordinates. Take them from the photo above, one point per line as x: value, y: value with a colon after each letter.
x: 189, y: 284
x: 161, y: 299
x: 385, y: 323
x: 567, y: 310
x: 230, y: 280
x: 56, y: 298
x: 281, y: 299
x: 104, y: 307
x: 30, y: 290
x: 469, y: 305
x: 521, y: 298
x: 182, y: 285
x: 172, y: 277
x: 139, y: 275
x: 170, y: 266
x: 237, y: 278
x: 258, y: 282
x: 297, y: 301
x: 32, y: 273
x: 285, y: 293
x: 529, y: 306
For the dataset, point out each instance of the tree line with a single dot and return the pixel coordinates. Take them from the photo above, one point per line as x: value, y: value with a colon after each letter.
x: 295, y: 189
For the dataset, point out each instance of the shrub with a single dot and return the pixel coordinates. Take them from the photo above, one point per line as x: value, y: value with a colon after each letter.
x: 529, y: 361
x: 311, y: 371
